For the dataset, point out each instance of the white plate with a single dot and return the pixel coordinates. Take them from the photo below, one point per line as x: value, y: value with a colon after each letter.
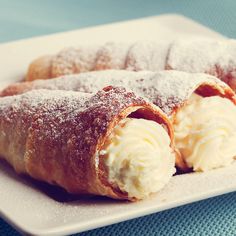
x: 30, y: 206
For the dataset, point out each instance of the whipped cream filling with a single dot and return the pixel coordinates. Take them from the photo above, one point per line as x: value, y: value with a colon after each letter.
x: 138, y: 157
x: 205, y: 132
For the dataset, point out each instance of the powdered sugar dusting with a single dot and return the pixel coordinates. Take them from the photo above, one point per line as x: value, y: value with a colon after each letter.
x: 35, y: 98
x: 112, y: 55
x: 192, y: 55
x: 74, y: 60
x: 167, y: 89
x: 204, y: 55
x: 71, y: 101
x: 147, y: 55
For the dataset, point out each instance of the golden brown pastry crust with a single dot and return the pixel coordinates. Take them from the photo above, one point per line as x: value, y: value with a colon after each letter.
x: 40, y: 68
x: 55, y: 136
x: 215, y: 57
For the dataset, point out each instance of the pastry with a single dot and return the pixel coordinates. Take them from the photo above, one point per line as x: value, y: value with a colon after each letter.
x: 207, y: 55
x: 110, y: 143
x: 192, y: 55
x: 184, y: 97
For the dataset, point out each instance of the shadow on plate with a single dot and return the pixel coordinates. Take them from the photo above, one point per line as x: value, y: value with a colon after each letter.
x: 54, y: 192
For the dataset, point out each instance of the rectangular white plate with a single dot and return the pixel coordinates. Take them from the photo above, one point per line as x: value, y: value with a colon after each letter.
x: 26, y: 206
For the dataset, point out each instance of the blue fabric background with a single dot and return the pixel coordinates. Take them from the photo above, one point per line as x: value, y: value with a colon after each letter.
x: 25, y: 18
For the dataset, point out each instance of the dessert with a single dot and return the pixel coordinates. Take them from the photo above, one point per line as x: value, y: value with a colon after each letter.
x: 215, y: 57
x: 110, y: 143
x: 201, y: 107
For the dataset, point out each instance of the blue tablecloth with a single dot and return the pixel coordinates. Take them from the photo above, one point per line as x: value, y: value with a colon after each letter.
x: 25, y: 18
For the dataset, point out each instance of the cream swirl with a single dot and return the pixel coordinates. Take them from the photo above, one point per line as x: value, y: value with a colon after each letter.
x: 138, y: 157
x: 205, y: 132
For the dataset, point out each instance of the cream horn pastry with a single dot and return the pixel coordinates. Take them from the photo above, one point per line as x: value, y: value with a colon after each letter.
x: 110, y: 143
x: 200, y: 55
x: 202, y: 108
x: 140, y: 55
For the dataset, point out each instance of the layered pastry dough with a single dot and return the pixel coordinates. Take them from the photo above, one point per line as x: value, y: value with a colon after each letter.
x: 215, y: 57
x: 171, y: 91
x: 73, y: 140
